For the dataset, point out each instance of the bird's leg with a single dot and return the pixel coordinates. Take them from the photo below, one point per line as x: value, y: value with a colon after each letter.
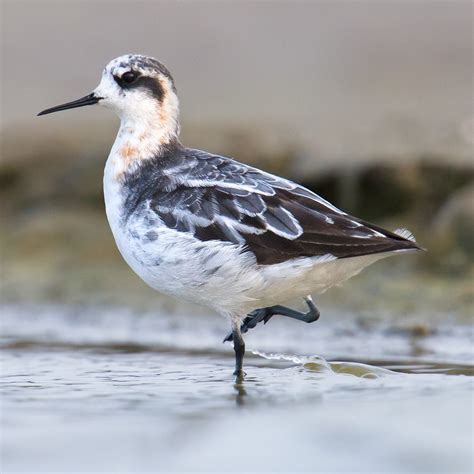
x: 264, y: 314
x: 239, y: 348
x: 309, y: 317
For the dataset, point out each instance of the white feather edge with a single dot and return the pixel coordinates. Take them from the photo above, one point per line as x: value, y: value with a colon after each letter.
x: 405, y: 233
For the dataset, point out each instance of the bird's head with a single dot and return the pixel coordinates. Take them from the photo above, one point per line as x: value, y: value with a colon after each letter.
x: 139, y: 89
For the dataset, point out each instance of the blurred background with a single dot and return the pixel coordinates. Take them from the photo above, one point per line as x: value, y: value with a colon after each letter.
x: 370, y: 104
x: 367, y: 103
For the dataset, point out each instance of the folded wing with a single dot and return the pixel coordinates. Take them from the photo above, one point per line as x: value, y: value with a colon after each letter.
x: 216, y: 198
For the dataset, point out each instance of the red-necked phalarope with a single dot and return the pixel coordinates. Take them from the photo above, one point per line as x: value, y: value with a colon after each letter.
x: 211, y: 230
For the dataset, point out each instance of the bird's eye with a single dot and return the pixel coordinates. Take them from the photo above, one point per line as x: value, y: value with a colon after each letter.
x: 129, y: 77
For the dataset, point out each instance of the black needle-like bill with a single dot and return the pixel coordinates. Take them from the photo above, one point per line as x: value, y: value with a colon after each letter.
x: 90, y: 99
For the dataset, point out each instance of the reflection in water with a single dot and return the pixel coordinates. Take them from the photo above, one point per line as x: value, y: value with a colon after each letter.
x: 240, y: 391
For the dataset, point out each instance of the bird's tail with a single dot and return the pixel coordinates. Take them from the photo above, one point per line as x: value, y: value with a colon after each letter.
x: 405, y: 233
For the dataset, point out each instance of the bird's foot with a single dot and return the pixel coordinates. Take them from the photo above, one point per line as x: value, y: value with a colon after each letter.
x: 265, y: 314
x: 239, y: 375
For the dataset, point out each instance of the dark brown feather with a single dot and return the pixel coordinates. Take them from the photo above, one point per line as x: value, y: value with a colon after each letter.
x: 216, y: 198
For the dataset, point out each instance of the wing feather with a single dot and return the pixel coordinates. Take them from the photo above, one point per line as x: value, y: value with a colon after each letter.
x: 216, y: 198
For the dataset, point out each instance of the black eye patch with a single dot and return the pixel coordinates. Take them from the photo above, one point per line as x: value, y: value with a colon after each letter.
x: 133, y: 80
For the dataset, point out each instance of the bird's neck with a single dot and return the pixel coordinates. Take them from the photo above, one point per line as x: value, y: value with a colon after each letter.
x: 145, y: 135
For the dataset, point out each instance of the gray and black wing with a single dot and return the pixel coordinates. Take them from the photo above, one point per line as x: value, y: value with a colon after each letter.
x: 216, y: 198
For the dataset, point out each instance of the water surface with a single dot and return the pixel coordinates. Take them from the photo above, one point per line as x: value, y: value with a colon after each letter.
x: 106, y: 389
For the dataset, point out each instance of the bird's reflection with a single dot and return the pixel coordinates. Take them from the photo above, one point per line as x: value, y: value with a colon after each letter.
x: 241, y: 393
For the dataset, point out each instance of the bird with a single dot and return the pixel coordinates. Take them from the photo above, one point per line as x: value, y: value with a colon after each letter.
x: 210, y: 230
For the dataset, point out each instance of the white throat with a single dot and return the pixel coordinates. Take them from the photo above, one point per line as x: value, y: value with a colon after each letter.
x: 141, y: 139
x: 147, y: 128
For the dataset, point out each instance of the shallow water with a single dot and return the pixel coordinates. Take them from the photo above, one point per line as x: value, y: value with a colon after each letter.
x: 96, y: 388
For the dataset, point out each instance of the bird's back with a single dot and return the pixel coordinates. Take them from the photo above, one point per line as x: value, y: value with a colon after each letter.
x: 212, y: 197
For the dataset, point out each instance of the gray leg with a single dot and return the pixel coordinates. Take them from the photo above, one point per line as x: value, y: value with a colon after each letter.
x: 239, y: 348
x: 264, y: 314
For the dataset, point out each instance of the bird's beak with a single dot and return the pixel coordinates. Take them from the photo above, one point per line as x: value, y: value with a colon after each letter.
x: 90, y: 99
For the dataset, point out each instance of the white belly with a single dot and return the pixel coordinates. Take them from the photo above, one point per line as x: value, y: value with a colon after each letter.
x: 214, y: 274
x: 310, y: 275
